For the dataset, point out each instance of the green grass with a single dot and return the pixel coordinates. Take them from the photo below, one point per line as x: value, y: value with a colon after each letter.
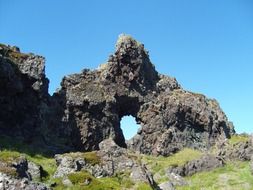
x: 123, y: 179
x: 233, y: 176
x: 117, y: 182
x: 48, y: 164
x: 238, y: 138
x: 12, y: 149
x: 9, y: 156
x: 143, y: 186
x: 78, y: 178
x: 158, y: 164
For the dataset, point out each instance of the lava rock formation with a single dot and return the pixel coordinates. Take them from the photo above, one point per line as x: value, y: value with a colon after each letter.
x: 88, y: 107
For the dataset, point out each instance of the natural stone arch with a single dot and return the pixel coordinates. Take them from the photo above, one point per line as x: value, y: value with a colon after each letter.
x: 128, y: 84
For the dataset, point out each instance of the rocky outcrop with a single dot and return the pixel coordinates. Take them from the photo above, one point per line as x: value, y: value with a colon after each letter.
x: 17, y: 173
x: 23, y: 87
x: 242, y: 151
x: 88, y: 107
x: 128, y: 84
x: 110, y: 160
x: 205, y: 163
x: 115, y: 159
x: 11, y: 183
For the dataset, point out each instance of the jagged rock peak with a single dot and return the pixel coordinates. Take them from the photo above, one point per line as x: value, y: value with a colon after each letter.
x: 130, y: 65
x: 125, y: 42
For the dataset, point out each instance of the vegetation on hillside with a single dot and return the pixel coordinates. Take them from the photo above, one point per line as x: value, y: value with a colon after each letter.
x: 234, y: 175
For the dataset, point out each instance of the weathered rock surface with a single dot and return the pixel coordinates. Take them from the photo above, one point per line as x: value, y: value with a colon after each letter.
x: 205, y: 163
x: 23, y: 87
x: 112, y: 160
x: 89, y: 106
x: 242, y: 151
x: 11, y: 183
x: 176, y: 180
x: 35, y: 171
x: 128, y: 84
x: 18, y: 173
x: 166, y: 186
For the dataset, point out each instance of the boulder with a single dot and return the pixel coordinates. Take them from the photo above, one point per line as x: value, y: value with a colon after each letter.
x: 205, y: 163
x: 239, y: 151
x: 67, y: 164
x: 166, y: 186
x: 176, y: 179
x: 34, y: 170
x: 141, y: 174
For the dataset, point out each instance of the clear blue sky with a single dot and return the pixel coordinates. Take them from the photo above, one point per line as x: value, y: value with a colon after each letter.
x: 206, y: 44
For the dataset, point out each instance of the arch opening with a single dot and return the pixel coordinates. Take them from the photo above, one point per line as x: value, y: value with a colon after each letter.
x: 129, y: 126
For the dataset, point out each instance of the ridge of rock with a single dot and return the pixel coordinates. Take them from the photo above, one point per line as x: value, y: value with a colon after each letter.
x: 88, y: 107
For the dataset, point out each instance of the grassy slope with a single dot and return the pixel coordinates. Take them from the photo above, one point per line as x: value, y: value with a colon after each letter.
x: 233, y: 176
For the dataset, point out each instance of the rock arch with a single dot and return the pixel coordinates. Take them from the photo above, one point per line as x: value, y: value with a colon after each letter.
x: 128, y: 84
x: 89, y: 106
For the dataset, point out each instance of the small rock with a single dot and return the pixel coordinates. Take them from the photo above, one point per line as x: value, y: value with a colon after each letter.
x: 141, y: 174
x: 66, y: 181
x: 66, y: 165
x: 176, y: 179
x: 166, y: 186
x: 87, y: 182
x: 34, y: 170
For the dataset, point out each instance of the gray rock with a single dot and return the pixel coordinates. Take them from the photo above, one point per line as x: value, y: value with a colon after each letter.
x: 74, y: 162
x: 176, y: 179
x: 21, y: 168
x: 113, y: 160
x: 66, y: 165
x: 116, y: 159
x: 166, y: 186
x: 205, y: 163
x: 34, y: 170
x: 238, y: 151
x: 11, y: 183
x: 141, y: 174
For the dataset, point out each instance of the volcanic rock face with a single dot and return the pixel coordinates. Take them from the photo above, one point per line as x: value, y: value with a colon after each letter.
x: 89, y: 106
x: 170, y: 117
x: 23, y: 90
